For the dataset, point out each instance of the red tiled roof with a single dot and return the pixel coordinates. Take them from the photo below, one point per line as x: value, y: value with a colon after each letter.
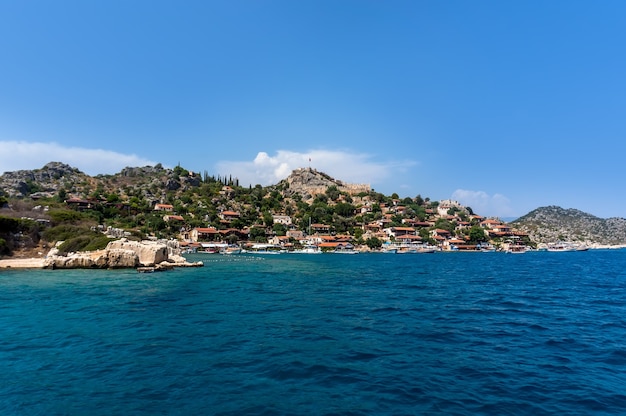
x: 210, y: 230
x: 409, y: 237
x: 333, y: 245
x: 403, y: 228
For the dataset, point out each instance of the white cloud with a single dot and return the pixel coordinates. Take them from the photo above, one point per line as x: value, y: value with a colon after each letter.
x: 17, y: 155
x: 342, y: 165
x: 496, y: 205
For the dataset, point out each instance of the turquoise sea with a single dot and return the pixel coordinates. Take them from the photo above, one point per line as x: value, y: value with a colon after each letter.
x: 368, y: 334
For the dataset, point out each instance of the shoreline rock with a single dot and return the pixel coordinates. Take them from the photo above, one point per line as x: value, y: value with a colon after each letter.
x: 119, y: 254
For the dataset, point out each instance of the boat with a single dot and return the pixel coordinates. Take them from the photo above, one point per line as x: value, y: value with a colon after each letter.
x: 486, y: 248
x: 517, y: 249
x: 263, y: 249
x: 389, y: 248
x: 415, y: 249
x: 308, y: 249
x: 345, y: 251
x: 153, y: 269
x: 427, y: 249
x: 514, y: 245
x: 230, y: 250
x: 212, y: 248
x: 561, y: 246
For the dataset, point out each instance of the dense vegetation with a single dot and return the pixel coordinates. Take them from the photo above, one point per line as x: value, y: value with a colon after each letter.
x: 16, y: 232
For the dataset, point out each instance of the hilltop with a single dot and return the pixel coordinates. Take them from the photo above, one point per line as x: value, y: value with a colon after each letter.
x: 308, y: 183
x: 44, y: 182
x: 56, y: 178
x: 553, y: 223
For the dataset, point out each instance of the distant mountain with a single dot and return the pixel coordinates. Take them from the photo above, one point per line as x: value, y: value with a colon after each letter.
x: 553, y: 223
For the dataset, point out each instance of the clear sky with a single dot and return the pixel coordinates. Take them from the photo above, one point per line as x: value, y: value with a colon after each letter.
x: 505, y: 106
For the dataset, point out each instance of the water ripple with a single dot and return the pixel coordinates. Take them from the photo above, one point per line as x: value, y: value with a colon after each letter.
x: 445, y: 334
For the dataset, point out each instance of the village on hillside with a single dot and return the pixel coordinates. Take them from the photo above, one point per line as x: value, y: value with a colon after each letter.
x: 394, y: 229
x: 377, y: 224
x: 307, y: 212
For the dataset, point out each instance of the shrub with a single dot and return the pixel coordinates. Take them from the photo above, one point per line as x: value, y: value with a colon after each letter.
x: 64, y: 232
x: 75, y: 244
x: 8, y: 225
x: 373, y: 242
x: 64, y: 215
x: 4, y: 247
x: 86, y: 242
x: 98, y: 243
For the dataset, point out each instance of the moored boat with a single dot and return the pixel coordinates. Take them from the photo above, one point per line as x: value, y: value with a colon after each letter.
x: 211, y: 248
x: 230, y: 250
x: 561, y: 246
x: 308, y: 249
x: 515, y: 245
x: 485, y: 248
x: 516, y: 249
x: 389, y: 250
x: 345, y: 251
x: 415, y: 249
x: 263, y: 249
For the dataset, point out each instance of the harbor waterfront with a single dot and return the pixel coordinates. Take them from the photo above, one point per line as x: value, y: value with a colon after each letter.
x: 444, y: 333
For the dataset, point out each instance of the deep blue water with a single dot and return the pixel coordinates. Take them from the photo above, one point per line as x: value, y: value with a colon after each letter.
x: 371, y: 334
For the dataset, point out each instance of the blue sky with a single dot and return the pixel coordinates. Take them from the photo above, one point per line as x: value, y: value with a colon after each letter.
x: 503, y: 106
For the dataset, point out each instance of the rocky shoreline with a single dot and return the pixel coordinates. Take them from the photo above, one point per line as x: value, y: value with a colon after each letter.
x: 123, y: 253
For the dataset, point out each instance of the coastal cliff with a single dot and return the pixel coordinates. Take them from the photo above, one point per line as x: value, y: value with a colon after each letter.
x: 122, y: 254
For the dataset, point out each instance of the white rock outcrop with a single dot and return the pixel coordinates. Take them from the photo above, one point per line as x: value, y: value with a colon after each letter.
x: 149, y: 253
x: 122, y: 253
